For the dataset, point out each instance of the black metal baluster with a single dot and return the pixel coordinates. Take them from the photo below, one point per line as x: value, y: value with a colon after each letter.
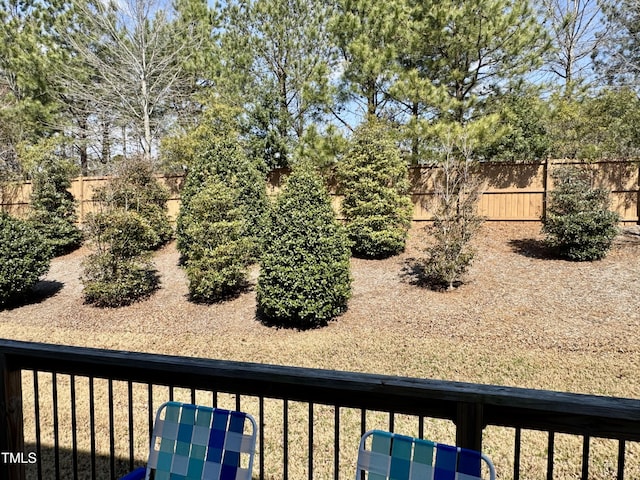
x: 261, y: 435
x: 74, y: 427
x: 56, y: 439
x: 285, y: 439
x: 36, y: 404
x: 516, y: 454
x: 150, y: 410
x: 310, y: 441
x: 550, y: 453
x: 112, y: 433
x: 336, y: 444
x: 130, y: 413
x: 621, y: 454
x: 585, y: 457
x: 92, y: 425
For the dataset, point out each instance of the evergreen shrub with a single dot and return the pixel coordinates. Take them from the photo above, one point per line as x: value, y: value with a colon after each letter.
x: 218, y: 252
x: 24, y: 257
x: 135, y: 188
x: 225, y: 159
x: 579, y: 224
x: 222, y: 211
x: 119, y: 272
x: 376, y: 205
x: 53, y: 207
x: 304, y: 278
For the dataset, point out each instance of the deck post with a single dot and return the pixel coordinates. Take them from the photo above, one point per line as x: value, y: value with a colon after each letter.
x: 11, y: 423
x: 469, y: 426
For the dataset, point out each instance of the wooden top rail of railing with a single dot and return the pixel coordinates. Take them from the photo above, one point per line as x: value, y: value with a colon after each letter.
x: 470, y: 406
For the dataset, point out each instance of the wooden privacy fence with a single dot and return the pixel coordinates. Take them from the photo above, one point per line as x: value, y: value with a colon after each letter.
x: 513, y: 191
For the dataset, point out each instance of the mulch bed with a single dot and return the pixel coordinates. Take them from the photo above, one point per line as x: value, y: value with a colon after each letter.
x: 518, y: 301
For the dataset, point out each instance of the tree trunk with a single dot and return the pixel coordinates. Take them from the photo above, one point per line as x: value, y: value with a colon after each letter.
x: 146, y: 141
x: 283, y: 108
x: 106, y: 141
x: 84, y: 157
x: 415, y: 141
x: 124, y: 140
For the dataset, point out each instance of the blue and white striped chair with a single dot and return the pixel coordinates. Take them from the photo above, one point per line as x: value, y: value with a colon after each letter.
x: 390, y: 456
x: 193, y: 442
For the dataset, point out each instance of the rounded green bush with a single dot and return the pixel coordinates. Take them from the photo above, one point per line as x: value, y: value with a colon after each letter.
x: 118, y: 272
x: 376, y: 205
x: 212, y: 227
x: 304, y: 278
x: 113, y: 282
x: 579, y: 224
x: 124, y: 233
x: 24, y: 257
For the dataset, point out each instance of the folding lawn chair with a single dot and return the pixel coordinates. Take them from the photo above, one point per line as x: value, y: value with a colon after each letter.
x: 390, y: 456
x: 193, y: 442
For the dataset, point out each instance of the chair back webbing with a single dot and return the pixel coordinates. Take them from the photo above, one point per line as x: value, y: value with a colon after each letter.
x: 391, y: 456
x: 192, y: 442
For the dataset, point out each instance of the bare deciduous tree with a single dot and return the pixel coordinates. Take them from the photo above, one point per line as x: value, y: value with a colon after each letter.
x: 620, y: 59
x: 135, y: 57
x: 457, y: 195
x: 576, y: 33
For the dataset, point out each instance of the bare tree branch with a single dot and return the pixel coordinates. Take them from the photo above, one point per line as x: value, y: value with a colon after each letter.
x: 136, y: 58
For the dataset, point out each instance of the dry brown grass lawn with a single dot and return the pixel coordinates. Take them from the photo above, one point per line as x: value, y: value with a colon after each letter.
x: 521, y: 319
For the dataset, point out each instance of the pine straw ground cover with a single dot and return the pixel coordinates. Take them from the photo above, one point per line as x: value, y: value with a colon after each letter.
x: 521, y: 319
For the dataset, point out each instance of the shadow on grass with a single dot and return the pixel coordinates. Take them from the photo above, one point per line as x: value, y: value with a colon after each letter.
x: 40, y: 292
x: 413, y: 273
x: 67, y: 465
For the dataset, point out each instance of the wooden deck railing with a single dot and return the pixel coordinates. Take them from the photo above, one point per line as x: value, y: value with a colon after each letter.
x: 471, y: 407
